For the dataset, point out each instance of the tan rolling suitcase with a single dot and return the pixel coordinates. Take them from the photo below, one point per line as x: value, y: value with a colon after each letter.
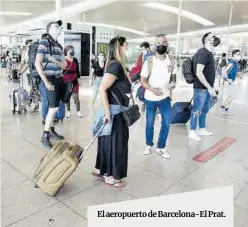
x: 58, y: 165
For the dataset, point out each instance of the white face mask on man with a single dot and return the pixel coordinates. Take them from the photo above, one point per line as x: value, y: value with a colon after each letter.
x: 54, y: 30
x: 237, y: 57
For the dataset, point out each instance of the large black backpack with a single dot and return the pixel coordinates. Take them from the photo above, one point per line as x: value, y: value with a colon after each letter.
x: 188, y: 70
x: 32, y: 56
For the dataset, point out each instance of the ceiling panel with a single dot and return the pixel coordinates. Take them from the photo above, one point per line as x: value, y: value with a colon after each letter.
x: 132, y: 14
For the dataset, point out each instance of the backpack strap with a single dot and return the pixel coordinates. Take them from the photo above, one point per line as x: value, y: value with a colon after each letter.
x: 149, y: 65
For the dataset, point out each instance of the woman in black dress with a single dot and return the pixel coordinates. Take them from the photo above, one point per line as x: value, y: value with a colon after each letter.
x: 112, y: 152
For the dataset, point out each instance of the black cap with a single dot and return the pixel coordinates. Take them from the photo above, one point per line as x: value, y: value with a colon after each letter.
x: 59, y: 22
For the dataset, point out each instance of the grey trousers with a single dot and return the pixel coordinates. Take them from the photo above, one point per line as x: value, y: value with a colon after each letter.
x: 76, y: 101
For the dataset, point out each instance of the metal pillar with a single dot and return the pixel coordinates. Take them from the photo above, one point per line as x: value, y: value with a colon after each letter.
x: 229, y: 26
x: 178, y: 28
x: 58, y: 9
x: 145, y: 26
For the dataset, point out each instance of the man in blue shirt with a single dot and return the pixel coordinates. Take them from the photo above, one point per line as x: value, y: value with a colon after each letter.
x: 50, y: 63
x: 146, y: 51
x: 230, y: 74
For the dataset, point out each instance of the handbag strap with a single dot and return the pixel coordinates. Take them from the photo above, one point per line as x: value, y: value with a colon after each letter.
x: 117, y: 100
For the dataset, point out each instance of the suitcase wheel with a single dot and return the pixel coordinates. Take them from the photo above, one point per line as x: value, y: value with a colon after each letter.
x: 19, y: 112
x: 13, y: 112
x: 36, y: 186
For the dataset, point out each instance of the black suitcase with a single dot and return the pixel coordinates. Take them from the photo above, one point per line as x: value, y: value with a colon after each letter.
x: 180, y: 112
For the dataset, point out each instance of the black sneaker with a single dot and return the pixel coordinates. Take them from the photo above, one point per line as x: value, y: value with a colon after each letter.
x: 54, y: 135
x: 45, y: 140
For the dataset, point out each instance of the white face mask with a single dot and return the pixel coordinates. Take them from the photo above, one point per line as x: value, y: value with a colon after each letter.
x: 55, y: 31
x: 101, y: 58
x: 127, y: 53
x: 237, y: 58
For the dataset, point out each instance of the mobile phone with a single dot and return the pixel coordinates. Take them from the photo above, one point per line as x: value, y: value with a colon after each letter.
x: 173, y: 78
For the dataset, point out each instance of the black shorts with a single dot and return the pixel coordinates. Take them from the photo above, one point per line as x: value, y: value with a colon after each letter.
x: 55, y: 96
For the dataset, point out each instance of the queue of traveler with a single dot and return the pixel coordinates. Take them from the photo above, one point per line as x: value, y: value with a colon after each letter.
x: 111, y: 79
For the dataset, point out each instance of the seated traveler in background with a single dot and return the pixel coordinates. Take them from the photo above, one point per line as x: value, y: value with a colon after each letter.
x: 112, y: 150
x: 204, y: 66
x: 50, y: 54
x: 71, y: 74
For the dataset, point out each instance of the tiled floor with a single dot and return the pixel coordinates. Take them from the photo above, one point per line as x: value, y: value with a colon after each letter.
x: 25, y: 206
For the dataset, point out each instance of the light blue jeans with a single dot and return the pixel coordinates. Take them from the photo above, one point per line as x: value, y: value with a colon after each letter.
x: 200, y: 108
x: 96, y: 86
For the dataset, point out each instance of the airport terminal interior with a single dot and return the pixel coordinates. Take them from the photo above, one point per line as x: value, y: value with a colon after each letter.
x: 188, y: 163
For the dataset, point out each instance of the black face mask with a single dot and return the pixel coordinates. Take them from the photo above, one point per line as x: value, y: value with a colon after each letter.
x: 72, y: 53
x: 216, y: 41
x: 161, y: 49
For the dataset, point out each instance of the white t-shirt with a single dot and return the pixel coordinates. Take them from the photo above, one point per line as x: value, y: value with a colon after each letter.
x: 159, y: 78
x: 25, y: 59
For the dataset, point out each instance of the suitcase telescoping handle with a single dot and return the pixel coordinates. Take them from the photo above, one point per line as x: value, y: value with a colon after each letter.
x: 92, y: 140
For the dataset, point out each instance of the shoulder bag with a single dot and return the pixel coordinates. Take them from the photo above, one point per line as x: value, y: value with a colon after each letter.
x: 131, y: 114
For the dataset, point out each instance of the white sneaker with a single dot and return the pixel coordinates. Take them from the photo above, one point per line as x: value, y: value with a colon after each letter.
x: 68, y: 114
x: 79, y: 114
x: 194, y: 136
x: 163, y: 153
x: 204, y: 132
x: 226, y: 112
x: 147, y: 150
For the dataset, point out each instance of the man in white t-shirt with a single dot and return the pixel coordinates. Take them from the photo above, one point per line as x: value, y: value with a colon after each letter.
x: 157, y: 95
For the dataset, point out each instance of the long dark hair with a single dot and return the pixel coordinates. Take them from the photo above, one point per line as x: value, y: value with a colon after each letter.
x: 114, y: 50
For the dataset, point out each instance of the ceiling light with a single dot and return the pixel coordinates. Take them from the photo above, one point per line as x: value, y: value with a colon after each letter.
x: 115, y: 27
x: 175, y: 10
x: 15, y: 14
x: 66, y: 12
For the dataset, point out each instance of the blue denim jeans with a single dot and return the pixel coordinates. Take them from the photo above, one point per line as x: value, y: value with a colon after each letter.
x: 200, y: 108
x: 45, y: 105
x: 96, y: 86
x: 164, y: 107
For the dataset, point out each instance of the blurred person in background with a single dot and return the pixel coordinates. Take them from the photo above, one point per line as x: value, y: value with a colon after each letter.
x: 72, y: 74
x: 97, y: 73
x: 230, y: 75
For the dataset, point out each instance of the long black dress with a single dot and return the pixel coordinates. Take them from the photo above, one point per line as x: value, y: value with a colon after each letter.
x: 112, y: 151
